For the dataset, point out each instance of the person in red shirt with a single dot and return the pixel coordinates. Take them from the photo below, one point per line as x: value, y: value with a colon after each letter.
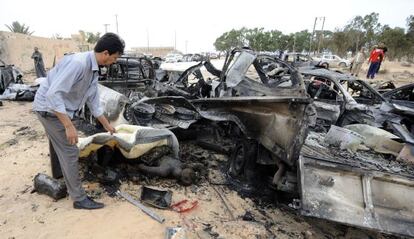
x: 375, y: 58
x: 384, y: 49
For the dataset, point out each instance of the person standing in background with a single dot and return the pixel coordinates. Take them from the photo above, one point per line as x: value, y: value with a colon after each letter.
x: 358, y: 61
x: 375, y: 58
x: 38, y: 63
x: 384, y: 50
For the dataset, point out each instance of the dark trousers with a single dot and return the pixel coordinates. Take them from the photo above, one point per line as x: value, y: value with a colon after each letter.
x: 67, y: 154
x: 372, y: 69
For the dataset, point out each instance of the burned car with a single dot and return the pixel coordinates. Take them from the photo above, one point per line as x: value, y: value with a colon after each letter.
x: 257, y: 110
x: 128, y: 74
x: 334, y: 103
x: 403, y: 95
x: 341, y: 100
x: 9, y: 74
x: 266, y: 122
x: 402, y: 100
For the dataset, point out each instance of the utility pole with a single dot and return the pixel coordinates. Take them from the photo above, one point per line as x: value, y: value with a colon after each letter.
x: 116, y: 21
x: 175, y: 40
x: 147, y: 40
x: 311, y: 38
x: 294, y: 43
x: 106, y: 27
x: 321, y: 36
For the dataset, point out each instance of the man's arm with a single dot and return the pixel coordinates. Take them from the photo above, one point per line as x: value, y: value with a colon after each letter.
x: 70, y: 130
x: 95, y: 107
x: 55, y: 101
x: 105, y: 124
x: 62, y: 83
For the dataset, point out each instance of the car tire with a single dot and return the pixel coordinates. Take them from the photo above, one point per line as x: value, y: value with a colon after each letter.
x: 342, y: 64
x: 242, y: 158
x: 325, y: 65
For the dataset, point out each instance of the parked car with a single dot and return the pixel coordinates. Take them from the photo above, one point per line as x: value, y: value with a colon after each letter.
x: 213, y: 55
x: 173, y: 57
x: 192, y: 57
x: 302, y: 60
x: 332, y: 60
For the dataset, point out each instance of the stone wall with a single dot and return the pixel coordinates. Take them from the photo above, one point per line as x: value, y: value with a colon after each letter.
x: 16, y: 49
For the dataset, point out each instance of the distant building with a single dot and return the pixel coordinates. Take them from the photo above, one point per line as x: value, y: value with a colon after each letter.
x: 153, y: 51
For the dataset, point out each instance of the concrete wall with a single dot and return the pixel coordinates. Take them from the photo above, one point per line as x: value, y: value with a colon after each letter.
x: 16, y: 49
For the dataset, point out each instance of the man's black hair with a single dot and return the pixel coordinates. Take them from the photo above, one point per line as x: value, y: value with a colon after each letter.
x: 111, y: 42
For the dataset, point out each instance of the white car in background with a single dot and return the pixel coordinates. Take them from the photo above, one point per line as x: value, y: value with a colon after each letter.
x: 173, y: 57
x: 332, y: 60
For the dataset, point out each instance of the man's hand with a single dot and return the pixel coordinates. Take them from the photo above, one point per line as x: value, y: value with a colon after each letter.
x: 71, y: 134
x: 106, y: 125
x: 110, y: 129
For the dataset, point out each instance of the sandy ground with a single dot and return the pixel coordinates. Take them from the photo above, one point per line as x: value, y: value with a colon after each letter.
x: 397, y: 72
x: 24, y: 153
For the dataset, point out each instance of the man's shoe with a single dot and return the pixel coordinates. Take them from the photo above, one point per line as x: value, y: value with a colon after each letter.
x: 87, y: 203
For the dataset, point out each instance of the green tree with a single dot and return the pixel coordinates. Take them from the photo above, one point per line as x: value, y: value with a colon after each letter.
x: 356, y: 33
x: 229, y: 40
x: 410, y: 25
x: 339, y: 42
x: 19, y: 28
x: 395, y: 40
x: 255, y: 38
x: 286, y: 42
x: 361, y: 31
x: 410, y: 37
x: 274, y: 43
x: 301, y: 41
x: 325, y: 39
x: 92, y: 38
x: 260, y: 40
x: 372, y: 28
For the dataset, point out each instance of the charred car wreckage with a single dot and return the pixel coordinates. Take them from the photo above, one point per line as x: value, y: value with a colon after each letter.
x: 324, y: 137
x: 12, y: 86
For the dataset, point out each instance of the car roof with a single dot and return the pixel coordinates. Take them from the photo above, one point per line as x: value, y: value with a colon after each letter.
x: 388, y: 93
x: 327, y: 73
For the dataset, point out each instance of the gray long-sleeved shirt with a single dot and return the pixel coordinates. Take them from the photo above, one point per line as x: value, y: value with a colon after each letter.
x: 69, y: 85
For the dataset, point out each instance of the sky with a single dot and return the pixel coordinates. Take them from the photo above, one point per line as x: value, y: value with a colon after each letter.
x: 191, y: 25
